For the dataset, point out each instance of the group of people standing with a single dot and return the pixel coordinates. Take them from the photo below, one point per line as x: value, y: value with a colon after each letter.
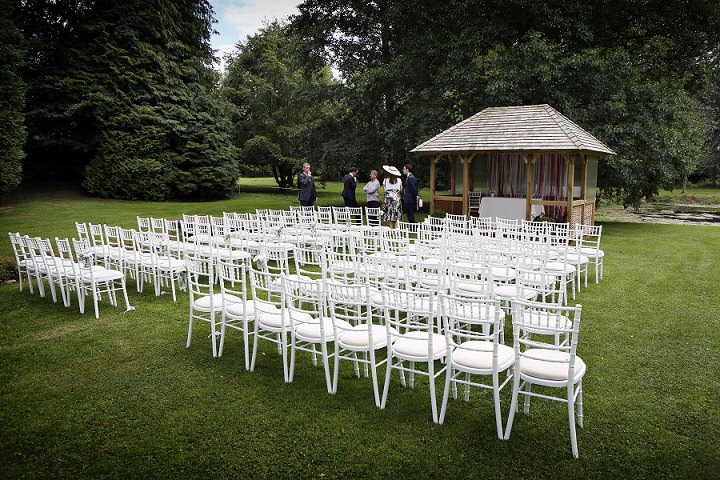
x: 396, y: 199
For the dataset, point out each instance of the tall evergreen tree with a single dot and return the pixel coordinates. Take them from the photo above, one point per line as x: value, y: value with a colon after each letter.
x: 12, y: 128
x: 123, y: 94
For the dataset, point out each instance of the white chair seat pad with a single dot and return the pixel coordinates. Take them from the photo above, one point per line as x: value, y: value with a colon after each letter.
x: 238, y: 310
x: 478, y: 355
x: 275, y: 319
x: 359, y: 336
x: 592, y: 252
x: 578, y: 259
x: 502, y: 273
x: 204, y: 303
x: 415, y: 344
x: 475, y: 287
x: 103, y: 275
x: 546, y: 365
x: 169, y: 263
x: 511, y: 291
x: 312, y: 331
x: 562, y: 267
x: 547, y: 320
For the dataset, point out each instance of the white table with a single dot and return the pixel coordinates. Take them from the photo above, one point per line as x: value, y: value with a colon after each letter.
x: 510, y: 208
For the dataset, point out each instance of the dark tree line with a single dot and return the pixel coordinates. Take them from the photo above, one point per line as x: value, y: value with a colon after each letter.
x: 121, y: 94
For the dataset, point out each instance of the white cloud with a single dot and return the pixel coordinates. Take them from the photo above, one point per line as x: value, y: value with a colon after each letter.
x: 246, y: 18
x: 238, y: 19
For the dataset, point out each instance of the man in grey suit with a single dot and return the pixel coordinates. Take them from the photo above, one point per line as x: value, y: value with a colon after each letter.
x: 306, y: 187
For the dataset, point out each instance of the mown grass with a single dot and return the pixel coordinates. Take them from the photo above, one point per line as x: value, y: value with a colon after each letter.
x: 121, y: 397
x: 700, y: 194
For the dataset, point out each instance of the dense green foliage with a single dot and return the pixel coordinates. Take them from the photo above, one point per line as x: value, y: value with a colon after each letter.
x: 12, y: 99
x: 135, y: 114
x: 121, y: 397
x: 285, y: 112
x: 632, y: 73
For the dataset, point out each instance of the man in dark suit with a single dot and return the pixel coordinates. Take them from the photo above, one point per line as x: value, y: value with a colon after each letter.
x: 306, y: 187
x: 410, y: 197
x: 349, y: 184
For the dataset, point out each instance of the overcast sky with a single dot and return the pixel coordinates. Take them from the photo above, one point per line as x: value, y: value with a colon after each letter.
x: 239, y: 18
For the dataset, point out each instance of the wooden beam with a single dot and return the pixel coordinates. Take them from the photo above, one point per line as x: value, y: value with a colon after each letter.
x: 433, y: 162
x: 570, y: 185
x: 465, y: 159
x: 453, y: 167
x: 529, y: 167
x: 583, y: 188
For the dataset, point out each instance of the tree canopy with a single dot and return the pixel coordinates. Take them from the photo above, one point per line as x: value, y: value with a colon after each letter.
x: 121, y: 94
x: 284, y: 108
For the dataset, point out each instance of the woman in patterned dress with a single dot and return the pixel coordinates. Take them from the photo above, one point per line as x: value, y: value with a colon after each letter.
x: 393, y: 197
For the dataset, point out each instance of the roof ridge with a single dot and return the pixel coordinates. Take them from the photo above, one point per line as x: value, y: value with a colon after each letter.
x: 571, y: 134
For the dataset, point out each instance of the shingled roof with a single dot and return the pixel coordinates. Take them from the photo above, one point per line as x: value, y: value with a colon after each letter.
x: 520, y: 128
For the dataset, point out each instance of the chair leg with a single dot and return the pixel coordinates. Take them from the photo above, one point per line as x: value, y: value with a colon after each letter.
x: 255, y: 347
x: 326, y: 366
x: 446, y: 393
x: 580, y: 405
x: 213, y: 334
x: 528, y: 386
x: 283, y: 345
x: 190, y: 323
x: 291, y: 373
x: 336, y: 369
x: 373, y: 371
x: 223, y: 323
x: 467, y: 387
x: 498, y: 412
x: 246, y: 342
x: 388, y: 372
x: 433, y: 398
x: 571, y: 420
x: 96, y: 293
x: 513, y: 404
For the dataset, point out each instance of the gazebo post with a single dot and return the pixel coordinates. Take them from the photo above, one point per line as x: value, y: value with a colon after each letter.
x: 453, y: 169
x: 529, y: 168
x: 466, y: 160
x: 583, y: 188
x: 433, y: 162
x: 570, y: 186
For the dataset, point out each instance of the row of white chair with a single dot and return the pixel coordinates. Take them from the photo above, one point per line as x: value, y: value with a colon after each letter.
x: 413, y: 326
x: 66, y: 271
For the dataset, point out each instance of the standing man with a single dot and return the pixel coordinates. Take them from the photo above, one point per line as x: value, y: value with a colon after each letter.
x: 306, y: 187
x: 349, y: 184
x: 411, y: 193
x: 372, y: 191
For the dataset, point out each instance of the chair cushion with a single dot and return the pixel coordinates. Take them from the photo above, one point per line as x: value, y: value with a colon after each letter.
x: 203, y: 303
x: 578, y: 259
x: 103, y: 275
x: 237, y: 309
x: 545, y: 320
x: 478, y: 355
x: 542, y: 367
x: 592, y: 252
x: 358, y: 336
x: 311, y: 331
x: 565, y: 268
x: 502, y: 273
x: 415, y: 344
x: 511, y: 291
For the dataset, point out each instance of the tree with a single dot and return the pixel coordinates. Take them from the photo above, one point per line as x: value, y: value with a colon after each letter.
x: 630, y: 72
x: 12, y: 129
x: 123, y: 94
x: 285, y: 112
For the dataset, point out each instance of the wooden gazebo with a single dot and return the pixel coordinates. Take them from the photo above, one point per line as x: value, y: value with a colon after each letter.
x: 529, y: 152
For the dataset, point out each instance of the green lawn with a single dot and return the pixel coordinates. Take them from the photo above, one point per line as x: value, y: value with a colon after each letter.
x: 122, y: 397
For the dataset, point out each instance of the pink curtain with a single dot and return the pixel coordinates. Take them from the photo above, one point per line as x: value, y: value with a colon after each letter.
x: 507, y: 178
